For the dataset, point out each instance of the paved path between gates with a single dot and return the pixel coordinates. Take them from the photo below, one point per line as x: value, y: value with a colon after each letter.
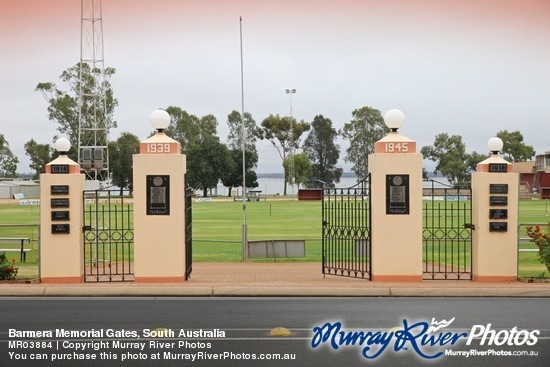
x: 280, y: 279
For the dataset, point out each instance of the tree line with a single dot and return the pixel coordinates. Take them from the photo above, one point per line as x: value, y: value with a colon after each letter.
x: 210, y: 160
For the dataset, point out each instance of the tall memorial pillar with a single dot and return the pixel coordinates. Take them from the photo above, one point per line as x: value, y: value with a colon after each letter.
x: 61, y: 219
x: 159, y: 206
x: 396, y: 208
x: 495, y: 210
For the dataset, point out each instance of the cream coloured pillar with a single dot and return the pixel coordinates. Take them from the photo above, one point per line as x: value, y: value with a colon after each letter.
x: 495, y: 208
x: 61, y: 220
x: 396, y: 207
x: 159, y: 207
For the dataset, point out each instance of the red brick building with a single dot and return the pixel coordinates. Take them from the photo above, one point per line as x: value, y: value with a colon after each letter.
x: 534, y: 176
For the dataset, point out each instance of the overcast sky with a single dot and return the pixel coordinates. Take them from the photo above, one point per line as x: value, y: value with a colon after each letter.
x: 468, y: 67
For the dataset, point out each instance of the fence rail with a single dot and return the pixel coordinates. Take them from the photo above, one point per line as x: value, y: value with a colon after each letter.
x: 21, y: 244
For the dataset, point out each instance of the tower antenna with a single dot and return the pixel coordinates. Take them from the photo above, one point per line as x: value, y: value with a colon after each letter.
x: 93, y: 122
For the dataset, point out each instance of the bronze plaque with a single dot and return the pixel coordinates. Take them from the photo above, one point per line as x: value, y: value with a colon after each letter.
x: 498, y: 213
x: 498, y: 200
x: 498, y: 188
x: 498, y: 226
x: 59, y: 189
x: 60, y: 215
x: 397, y: 194
x: 158, y: 194
x: 61, y: 228
x: 59, y: 203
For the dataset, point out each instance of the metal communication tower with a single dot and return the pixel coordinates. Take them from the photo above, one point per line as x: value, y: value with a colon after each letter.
x: 93, y: 126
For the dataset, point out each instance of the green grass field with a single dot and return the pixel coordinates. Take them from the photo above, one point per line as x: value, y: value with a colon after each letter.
x: 217, y: 227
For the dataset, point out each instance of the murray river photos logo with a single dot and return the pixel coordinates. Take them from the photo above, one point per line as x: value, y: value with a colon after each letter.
x: 429, y: 341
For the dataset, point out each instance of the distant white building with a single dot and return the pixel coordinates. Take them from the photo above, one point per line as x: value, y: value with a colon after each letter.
x: 19, y: 189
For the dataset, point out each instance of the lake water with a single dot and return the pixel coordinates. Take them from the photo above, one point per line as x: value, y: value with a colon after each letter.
x: 274, y: 186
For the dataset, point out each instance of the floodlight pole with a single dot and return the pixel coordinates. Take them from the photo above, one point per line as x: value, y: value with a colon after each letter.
x: 243, y: 142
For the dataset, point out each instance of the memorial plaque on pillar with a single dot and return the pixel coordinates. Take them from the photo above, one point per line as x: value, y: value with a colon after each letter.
x: 60, y: 215
x: 158, y: 194
x: 61, y: 228
x: 498, y: 200
x: 498, y: 226
x: 397, y: 194
x: 498, y: 213
x: 59, y: 189
x: 59, y: 203
x: 498, y: 188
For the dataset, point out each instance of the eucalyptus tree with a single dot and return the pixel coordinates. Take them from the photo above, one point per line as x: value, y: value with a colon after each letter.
x: 121, y: 152
x: 65, y: 105
x: 323, y: 152
x: 284, y: 134
x: 40, y: 155
x: 514, y: 149
x: 235, y: 140
x: 449, y: 154
x: 365, y: 128
x: 8, y: 162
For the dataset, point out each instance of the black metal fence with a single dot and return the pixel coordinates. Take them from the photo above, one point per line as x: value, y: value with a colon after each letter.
x: 346, y: 243
x: 529, y: 264
x: 108, y: 237
x: 446, y: 232
x: 21, y: 245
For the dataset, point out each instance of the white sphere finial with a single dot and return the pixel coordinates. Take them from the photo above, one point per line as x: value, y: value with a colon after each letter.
x: 394, y: 119
x: 160, y: 119
x: 63, y: 145
x: 495, y: 145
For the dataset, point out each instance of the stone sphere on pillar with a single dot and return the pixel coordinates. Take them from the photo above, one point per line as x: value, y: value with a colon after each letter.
x: 160, y: 119
x: 495, y: 145
x: 394, y: 119
x: 62, y: 145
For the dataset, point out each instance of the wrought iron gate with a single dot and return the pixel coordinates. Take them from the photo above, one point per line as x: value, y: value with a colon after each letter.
x: 188, y: 233
x: 446, y: 232
x: 346, y: 238
x: 108, y: 237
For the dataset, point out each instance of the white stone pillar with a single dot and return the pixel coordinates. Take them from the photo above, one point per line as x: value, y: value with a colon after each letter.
x: 159, y: 207
x: 61, y: 220
x: 396, y: 208
x: 495, y: 210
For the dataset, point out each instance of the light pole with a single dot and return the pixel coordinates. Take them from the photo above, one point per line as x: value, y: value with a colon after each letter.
x: 291, y: 172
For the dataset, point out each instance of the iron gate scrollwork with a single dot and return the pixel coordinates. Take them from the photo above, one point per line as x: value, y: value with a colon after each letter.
x: 446, y: 232
x: 346, y: 237
x: 108, y: 236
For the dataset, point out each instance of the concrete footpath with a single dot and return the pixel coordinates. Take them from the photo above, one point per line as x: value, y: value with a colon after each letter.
x: 278, y: 279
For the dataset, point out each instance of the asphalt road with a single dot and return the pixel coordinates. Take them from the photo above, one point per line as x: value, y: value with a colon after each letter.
x: 237, y: 330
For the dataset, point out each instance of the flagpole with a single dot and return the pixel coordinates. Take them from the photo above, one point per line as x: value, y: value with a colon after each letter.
x: 243, y: 141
